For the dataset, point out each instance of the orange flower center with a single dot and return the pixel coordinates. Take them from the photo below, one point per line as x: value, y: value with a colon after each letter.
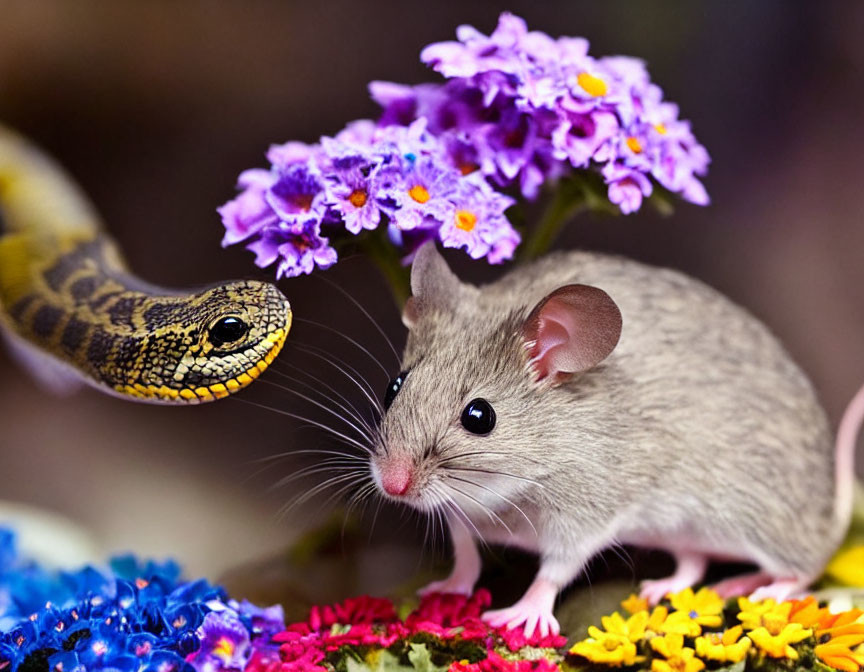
x: 465, y: 220
x: 418, y: 193
x: 467, y: 168
x: 660, y: 128
x: 593, y: 85
x: 636, y: 147
x: 358, y: 198
x: 304, y: 202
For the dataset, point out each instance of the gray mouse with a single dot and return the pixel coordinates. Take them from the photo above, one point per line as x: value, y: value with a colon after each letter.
x: 586, y: 401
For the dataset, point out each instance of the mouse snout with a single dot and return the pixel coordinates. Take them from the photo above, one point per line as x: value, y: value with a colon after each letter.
x: 396, y: 475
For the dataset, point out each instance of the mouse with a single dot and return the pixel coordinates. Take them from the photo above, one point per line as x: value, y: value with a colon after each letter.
x: 585, y: 401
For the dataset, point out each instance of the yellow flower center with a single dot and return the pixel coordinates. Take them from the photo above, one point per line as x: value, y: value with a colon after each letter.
x: 358, y: 198
x: 636, y: 147
x: 418, y: 193
x: 224, y: 648
x: 593, y: 85
x: 465, y: 220
x: 660, y: 128
x: 611, y: 644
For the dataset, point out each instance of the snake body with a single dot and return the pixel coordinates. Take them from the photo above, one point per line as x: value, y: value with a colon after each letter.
x: 66, y: 293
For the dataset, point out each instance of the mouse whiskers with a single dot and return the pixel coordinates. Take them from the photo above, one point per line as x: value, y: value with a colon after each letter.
x: 350, y: 340
x: 334, y: 432
x: 349, y: 371
x: 363, y: 431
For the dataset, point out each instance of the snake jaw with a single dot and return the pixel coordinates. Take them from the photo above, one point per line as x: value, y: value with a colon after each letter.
x: 258, y: 356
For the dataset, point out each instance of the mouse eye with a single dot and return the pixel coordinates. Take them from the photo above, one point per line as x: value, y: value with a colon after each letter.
x: 393, y: 388
x: 227, y: 330
x: 478, y: 417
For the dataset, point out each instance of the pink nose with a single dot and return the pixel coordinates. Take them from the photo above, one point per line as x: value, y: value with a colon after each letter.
x: 396, y: 478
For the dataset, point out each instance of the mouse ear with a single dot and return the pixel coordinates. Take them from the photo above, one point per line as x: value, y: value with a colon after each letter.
x: 433, y: 284
x: 571, y: 330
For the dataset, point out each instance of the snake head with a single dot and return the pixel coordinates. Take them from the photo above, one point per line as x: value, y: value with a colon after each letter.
x: 239, y: 329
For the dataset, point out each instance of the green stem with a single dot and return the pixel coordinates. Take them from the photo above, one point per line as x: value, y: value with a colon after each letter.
x: 386, y: 257
x: 568, y: 200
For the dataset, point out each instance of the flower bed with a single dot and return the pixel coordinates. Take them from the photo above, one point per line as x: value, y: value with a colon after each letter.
x: 134, y: 615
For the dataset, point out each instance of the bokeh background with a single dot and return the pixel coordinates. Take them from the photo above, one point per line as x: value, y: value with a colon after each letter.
x: 155, y: 106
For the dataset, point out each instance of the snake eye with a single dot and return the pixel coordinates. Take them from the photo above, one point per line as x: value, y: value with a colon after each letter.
x: 478, y: 417
x: 227, y: 330
x: 393, y: 388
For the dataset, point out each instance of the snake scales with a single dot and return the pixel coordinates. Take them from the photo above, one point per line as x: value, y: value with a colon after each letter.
x: 69, y: 303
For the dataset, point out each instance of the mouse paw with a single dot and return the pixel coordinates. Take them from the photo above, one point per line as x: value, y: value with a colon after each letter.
x: 744, y: 584
x: 452, y: 584
x: 655, y: 590
x: 780, y: 590
x: 536, y: 618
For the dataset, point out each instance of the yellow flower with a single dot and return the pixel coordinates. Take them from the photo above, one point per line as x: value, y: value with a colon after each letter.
x: 634, y: 604
x: 764, y: 614
x: 633, y: 628
x: 657, y: 619
x: 607, y: 649
x: 728, y: 648
x: 680, y: 623
x: 777, y: 644
x: 847, y: 567
x: 704, y: 607
x: 678, y: 658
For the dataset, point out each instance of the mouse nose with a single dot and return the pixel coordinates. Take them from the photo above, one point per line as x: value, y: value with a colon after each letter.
x: 396, y: 477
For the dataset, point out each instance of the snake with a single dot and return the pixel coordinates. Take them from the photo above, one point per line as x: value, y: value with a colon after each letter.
x: 72, y: 311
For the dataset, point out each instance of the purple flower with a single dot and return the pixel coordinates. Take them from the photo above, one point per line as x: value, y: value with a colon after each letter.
x: 297, y: 192
x: 299, y: 248
x: 479, y: 225
x: 352, y: 187
x: 250, y: 212
x: 476, y: 53
x: 581, y: 133
x: 225, y: 643
x: 626, y: 187
x: 422, y: 193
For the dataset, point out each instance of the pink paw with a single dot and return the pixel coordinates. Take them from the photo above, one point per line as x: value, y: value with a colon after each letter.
x: 744, y: 584
x: 780, y: 590
x: 454, y: 585
x: 524, y: 611
x: 655, y: 590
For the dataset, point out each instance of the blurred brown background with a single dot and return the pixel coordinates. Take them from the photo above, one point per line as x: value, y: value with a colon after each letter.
x: 155, y: 106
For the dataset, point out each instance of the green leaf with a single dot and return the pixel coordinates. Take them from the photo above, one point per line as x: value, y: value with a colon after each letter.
x: 421, y: 659
x: 377, y: 661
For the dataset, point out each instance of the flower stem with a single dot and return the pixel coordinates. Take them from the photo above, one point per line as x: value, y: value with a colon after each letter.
x: 386, y: 257
x: 568, y: 200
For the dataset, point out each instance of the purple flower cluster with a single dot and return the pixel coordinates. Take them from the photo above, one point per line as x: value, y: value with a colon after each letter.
x: 366, y: 176
x: 525, y: 108
x: 518, y: 109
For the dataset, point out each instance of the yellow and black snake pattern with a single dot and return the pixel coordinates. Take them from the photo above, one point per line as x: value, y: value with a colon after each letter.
x: 65, y: 293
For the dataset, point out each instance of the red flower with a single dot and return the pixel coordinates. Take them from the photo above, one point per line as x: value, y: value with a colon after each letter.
x: 449, y: 610
x: 495, y: 663
x: 296, y: 658
x: 353, y: 611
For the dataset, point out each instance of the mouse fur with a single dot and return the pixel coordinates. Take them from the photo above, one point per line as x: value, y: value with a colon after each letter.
x: 698, y: 434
